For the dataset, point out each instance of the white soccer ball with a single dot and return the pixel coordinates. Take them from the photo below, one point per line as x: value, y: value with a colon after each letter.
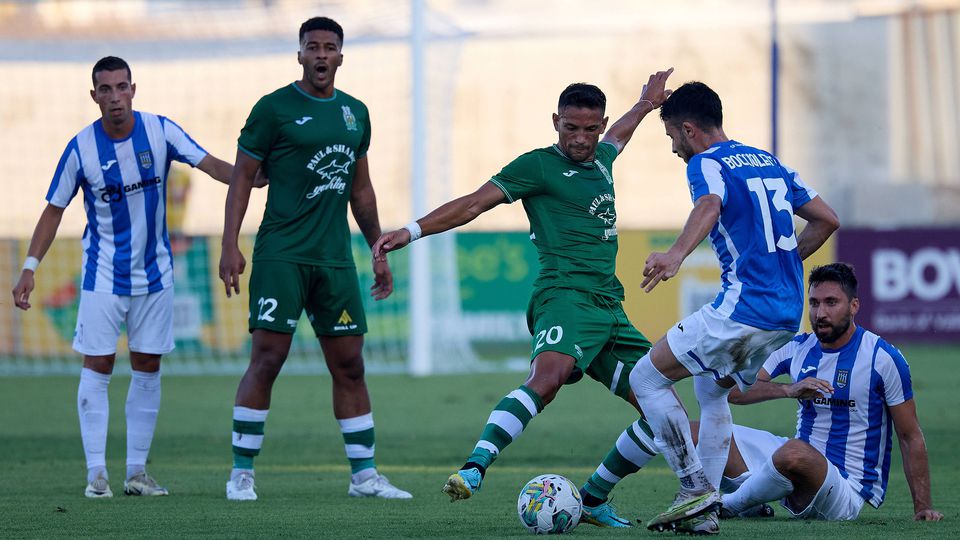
x: 549, y: 504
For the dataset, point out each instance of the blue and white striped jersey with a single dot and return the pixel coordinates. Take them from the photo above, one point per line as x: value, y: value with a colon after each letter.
x: 754, y: 238
x: 126, y: 248
x: 852, y: 427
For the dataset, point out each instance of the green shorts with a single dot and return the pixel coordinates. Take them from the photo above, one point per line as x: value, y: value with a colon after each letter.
x: 280, y: 291
x: 591, y: 328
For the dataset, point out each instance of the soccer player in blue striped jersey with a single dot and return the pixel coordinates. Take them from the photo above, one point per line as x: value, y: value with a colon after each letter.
x: 120, y: 163
x: 852, y: 386
x: 745, y: 200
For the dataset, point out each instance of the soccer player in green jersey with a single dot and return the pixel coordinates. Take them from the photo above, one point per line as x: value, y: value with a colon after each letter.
x: 575, y: 314
x: 311, y: 140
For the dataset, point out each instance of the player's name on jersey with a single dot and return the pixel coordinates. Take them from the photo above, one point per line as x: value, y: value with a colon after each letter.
x: 748, y: 160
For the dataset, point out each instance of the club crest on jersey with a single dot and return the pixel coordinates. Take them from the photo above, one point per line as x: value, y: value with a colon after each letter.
x: 146, y: 159
x: 348, y: 118
x: 843, y: 376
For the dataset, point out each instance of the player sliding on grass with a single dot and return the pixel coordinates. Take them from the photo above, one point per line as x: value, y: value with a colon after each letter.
x: 745, y: 200
x: 575, y: 314
x: 840, y: 457
x: 312, y: 140
x: 120, y: 162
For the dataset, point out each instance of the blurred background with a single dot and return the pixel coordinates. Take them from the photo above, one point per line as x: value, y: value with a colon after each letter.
x: 862, y: 97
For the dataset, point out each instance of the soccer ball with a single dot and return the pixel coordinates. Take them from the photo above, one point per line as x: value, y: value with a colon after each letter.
x: 549, y: 504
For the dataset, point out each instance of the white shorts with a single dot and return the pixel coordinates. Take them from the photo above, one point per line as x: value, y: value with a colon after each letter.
x: 711, y: 344
x: 836, y: 500
x: 755, y: 445
x: 148, y: 318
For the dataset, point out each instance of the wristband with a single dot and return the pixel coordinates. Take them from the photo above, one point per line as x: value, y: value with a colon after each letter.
x: 652, y: 106
x: 31, y: 263
x: 414, y: 229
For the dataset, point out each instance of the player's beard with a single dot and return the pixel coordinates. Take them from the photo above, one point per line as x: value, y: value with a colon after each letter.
x: 835, y: 330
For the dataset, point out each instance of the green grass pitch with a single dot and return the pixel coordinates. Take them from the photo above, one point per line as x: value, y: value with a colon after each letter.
x: 425, y: 428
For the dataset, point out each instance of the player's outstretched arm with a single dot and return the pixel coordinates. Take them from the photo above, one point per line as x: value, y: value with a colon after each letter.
x: 448, y: 216
x: 43, y: 235
x: 821, y: 222
x: 216, y: 168
x: 652, y: 96
x: 663, y: 266
x: 765, y: 390
x: 915, y: 465
x: 232, y: 262
x: 363, y: 204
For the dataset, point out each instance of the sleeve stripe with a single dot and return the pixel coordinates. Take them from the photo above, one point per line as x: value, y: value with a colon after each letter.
x: 249, y: 153
x: 616, y: 152
x: 495, y: 182
x: 710, y: 169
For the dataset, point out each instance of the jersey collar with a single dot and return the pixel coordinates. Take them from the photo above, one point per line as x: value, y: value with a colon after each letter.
x: 308, y: 96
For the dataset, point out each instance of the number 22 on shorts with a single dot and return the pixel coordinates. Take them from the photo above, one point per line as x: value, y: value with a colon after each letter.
x: 552, y: 336
x: 267, y: 305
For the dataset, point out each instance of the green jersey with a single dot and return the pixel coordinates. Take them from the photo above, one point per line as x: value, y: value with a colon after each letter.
x: 573, y: 221
x: 309, y: 149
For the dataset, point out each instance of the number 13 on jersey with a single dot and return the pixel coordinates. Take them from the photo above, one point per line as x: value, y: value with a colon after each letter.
x: 778, y: 196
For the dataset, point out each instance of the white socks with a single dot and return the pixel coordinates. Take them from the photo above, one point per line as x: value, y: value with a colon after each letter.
x: 763, y: 485
x: 143, y: 404
x: 93, y: 408
x: 94, y: 411
x: 716, y: 427
x: 670, y: 424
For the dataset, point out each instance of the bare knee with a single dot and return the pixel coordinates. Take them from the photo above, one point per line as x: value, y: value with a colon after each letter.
x: 793, y: 457
x: 266, y: 360
x: 347, y: 368
x: 148, y: 363
x: 548, y: 372
x: 99, y: 364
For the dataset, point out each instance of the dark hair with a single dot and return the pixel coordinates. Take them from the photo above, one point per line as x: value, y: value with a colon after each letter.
x: 839, y: 273
x: 582, y: 95
x: 110, y: 63
x: 693, y: 102
x: 321, y: 23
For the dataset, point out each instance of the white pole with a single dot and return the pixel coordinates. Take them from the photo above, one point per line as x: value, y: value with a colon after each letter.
x: 420, y: 353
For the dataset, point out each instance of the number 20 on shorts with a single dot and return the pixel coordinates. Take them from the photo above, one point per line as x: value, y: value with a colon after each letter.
x: 552, y: 336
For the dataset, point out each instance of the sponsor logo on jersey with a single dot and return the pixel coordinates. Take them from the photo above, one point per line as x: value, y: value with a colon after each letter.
x: 146, y: 159
x: 833, y: 402
x: 578, y: 349
x: 570, y: 173
x: 842, y: 376
x: 108, y: 165
x: 349, y: 119
x: 807, y: 369
x: 292, y: 323
x: 112, y: 193
x: 608, y: 215
x: 303, y: 120
x: 332, y: 164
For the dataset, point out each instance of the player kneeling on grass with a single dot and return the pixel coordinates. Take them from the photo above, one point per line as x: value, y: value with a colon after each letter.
x: 575, y: 314
x: 121, y: 163
x: 850, y: 384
